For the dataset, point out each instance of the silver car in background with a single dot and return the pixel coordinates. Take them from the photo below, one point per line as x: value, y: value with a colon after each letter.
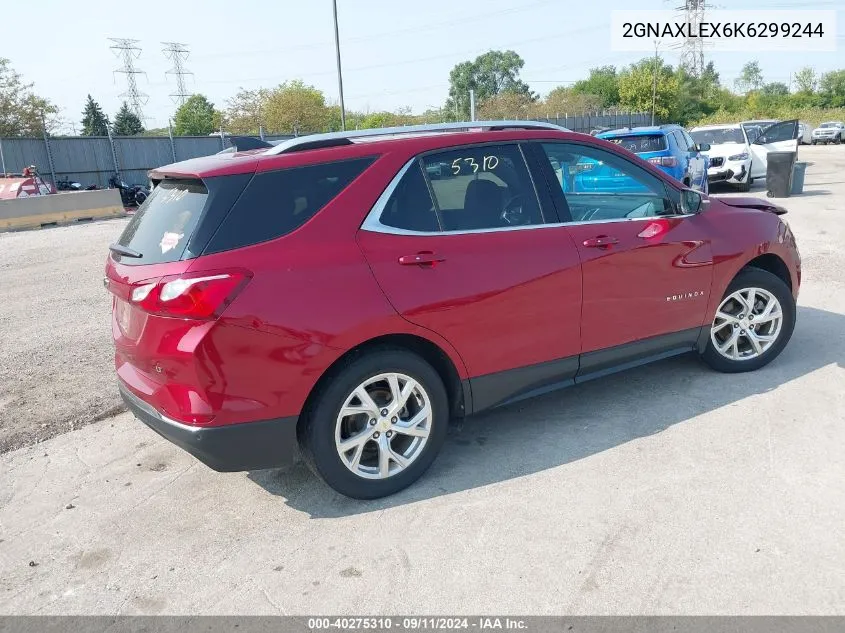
x: 829, y: 132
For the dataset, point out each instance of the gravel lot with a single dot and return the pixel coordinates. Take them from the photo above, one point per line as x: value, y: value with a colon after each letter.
x: 55, y: 338
x: 668, y: 489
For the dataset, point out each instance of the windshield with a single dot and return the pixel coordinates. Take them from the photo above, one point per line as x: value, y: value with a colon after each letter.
x: 834, y: 124
x: 639, y: 144
x: 718, y: 136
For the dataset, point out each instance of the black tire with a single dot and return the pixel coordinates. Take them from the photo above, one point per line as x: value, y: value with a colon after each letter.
x: 744, y: 186
x: 316, y: 430
x: 750, y: 277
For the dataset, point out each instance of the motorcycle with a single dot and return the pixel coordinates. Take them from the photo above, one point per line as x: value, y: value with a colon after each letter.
x: 68, y: 185
x: 130, y: 195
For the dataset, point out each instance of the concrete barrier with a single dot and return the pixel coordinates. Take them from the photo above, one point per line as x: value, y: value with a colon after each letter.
x: 38, y: 211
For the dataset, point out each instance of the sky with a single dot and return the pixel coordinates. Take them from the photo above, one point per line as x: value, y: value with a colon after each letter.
x: 394, y: 54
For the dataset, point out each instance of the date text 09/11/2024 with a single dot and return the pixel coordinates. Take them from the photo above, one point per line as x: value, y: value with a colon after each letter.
x: 416, y: 623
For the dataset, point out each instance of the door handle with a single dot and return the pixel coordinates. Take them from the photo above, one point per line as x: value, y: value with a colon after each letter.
x: 423, y: 258
x: 600, y: 241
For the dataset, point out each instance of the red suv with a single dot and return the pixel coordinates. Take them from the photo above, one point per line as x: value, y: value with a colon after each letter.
x: 351, y: 293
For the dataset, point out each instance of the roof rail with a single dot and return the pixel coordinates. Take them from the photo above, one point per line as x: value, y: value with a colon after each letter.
x: 334, y: 139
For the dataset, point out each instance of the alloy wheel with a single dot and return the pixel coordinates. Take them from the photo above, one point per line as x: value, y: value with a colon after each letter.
x: 747, y: 323
x: 383, y: 425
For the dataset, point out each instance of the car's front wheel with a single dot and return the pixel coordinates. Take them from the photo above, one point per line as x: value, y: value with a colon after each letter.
x: 377, y: 424
x: 753, y: 323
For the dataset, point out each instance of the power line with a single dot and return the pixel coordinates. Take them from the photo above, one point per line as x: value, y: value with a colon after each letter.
x: 128, y: 51
x: 178, y: 53
x: 455, y: 22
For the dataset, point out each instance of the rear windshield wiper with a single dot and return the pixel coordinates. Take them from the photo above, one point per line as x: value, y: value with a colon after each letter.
x: 125, y: 251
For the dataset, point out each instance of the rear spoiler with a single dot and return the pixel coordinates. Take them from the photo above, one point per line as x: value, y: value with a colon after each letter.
x: 245, y: 143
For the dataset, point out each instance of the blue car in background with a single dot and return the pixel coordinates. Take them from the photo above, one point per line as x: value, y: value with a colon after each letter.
x: 669, y: 147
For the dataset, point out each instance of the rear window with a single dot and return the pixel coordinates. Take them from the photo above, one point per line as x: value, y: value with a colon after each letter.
x: 275, y: 203
x: 639, y: 144
x: 163, y: 225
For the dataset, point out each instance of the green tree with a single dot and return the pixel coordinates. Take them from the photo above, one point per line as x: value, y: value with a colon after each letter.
x: 490, y: 74
x: 775, y: 89
x: 697, y: 96
x: 805, y: 80
x: 832, y: 88
x: 603, y: 82
x: 506, y: 105
x: 22, y: 112
x: 195, y: 117
x: 243, y: 112
x: 750, y: 77
x: 295, y: 108
x: 636, y: 83
x: 564, y: 100
x: 126, y: 122
x: 94, y: 121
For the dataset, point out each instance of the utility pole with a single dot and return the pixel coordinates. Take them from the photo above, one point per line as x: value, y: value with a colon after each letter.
x: 128, y: 50
x: 178, y: 53
x: 654, y: 82
x: 472, y: 105
x: 339, y: 73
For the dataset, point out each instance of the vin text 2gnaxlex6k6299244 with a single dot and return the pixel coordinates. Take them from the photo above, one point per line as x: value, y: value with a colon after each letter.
x: 351, y: 293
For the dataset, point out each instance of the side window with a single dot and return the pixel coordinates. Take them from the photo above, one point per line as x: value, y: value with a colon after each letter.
x: 482, y: 187
x: 785, y: 131
x: 275, y: 203
x: 599, y: 185
x: 683, y: 144
x: 410, y: 207
x: 688, y: 138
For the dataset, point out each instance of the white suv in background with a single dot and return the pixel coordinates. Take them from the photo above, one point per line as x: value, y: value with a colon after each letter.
x: 829, y: 132
x: 738, y: 152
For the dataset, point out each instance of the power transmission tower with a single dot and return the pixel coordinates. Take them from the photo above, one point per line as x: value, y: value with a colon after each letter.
x: 178, y: 53
x: 692, y: 49
x: 128, y: 51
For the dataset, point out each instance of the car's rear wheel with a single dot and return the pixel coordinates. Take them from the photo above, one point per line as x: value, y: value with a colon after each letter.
x: 753, y: 323
x: 377, y: 425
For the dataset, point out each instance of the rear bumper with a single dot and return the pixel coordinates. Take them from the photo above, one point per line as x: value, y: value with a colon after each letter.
x: 230, y: 448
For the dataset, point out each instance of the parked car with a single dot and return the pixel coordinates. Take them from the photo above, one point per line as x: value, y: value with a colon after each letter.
x: 667, y: 146
x: 327, y: 292
x: 805, y: 133
x: 738, y: 152
x: 829, y: 132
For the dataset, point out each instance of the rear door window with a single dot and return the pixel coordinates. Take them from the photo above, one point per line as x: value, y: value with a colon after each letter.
x: 410, y: 207
x: 275, y: 203
x: 163, y: 225
x: 482, y: 187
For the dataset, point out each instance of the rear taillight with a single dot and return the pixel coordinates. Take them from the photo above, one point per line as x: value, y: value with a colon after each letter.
x: 664, y: 161
x: 190, y: 296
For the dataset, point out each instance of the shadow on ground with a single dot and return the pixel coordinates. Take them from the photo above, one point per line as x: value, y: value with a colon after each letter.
x: 575, y: 423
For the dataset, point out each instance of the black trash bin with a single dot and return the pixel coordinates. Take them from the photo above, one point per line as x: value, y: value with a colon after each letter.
x: 779, y: 174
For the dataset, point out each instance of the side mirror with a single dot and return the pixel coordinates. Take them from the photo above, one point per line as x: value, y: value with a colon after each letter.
x: 703, y: 147
x: 691, y: 201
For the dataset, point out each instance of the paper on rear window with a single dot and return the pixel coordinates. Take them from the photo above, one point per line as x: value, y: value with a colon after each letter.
x: 639, y: 144
x: 162, y: 226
